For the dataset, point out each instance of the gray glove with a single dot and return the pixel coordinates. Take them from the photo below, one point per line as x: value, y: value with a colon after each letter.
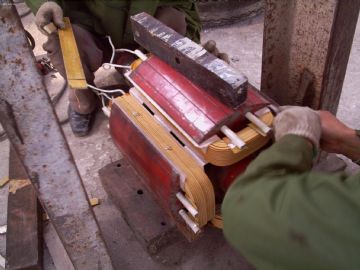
x: 301, y: 121
x: 49, y: 12
x: 210, y: 46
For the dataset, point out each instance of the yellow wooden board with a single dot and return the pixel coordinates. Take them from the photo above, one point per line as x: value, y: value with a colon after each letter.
x: 73, y: 67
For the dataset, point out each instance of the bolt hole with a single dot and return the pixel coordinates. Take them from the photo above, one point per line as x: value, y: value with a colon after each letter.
x: 118, y: 165
x: 163, y: 223
x: 140, y: 192
x: 177, y: 60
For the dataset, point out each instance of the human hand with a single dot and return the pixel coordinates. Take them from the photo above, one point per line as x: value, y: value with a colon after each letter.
x: 338, y: 138
x: 210, y: 46
x: 49, y: 12
x: 296, y: 120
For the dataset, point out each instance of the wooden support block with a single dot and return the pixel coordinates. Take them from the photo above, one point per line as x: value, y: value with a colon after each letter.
x: 94, y: 201
x: 202, y: 68
x: 72, y: 61
x: 23, y: 237
x: 139, y: 209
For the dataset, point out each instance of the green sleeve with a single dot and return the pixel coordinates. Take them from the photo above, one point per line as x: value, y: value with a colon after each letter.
x: 34, y: 5
x: 281, y: 215
x: 193, y: 27
x: 189, y: 7
x: 76, y: 10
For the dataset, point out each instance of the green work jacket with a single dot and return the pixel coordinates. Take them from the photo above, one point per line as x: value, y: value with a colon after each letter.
x: 111, y: 17
x: 281, y: 215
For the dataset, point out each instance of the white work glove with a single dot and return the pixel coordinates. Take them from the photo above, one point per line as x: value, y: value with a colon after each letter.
x: 49, y: 12
x: 301, y: 121
x: 210, y: 46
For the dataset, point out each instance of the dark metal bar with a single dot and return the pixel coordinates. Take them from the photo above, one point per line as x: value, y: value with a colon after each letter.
x: 307, y: 36
x: 204, y: 69
x: 31, y: 124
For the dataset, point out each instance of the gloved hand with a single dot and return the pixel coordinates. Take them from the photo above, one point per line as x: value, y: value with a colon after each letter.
x: 210, y: 46
x: 49, y: 12
x: 301, y: 121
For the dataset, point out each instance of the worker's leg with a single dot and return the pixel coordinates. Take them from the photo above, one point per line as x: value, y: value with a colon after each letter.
x: 82, y: 102
x: 173, y: 18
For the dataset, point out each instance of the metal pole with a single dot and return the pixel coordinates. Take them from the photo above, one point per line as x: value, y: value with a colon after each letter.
x: 32, y: 126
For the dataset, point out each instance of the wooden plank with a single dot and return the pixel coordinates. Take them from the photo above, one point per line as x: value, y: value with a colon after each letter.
x: 307, y: 36
x: 56, y: 249
x: 138, y: 207
x: 23, y: 238
x: 343, y: 32
x: 202, y: 68
x: 33, y: 129
x: 72, y: 61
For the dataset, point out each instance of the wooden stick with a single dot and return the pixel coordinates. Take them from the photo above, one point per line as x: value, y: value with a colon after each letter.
x: 73, y: 67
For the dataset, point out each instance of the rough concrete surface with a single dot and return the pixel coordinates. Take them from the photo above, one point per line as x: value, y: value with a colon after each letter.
x: 243, y: 43
x: 4, y: 173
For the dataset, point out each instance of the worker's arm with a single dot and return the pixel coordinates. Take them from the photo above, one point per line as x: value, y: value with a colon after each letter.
x: 193, y: 24
x: 53, y: 11
x: 280, y: 215
x: 339, y: 138
x: 34, y: 5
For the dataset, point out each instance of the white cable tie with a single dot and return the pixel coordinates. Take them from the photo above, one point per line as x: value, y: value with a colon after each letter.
x: 231, y: 146
x: 233, y: 137
x: 257, y: 122
x: 185, y: 202
x: 193, y: 226
x: 274, y: 108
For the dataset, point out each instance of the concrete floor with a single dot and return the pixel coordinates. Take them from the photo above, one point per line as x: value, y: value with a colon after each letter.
x: 243, y: 43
